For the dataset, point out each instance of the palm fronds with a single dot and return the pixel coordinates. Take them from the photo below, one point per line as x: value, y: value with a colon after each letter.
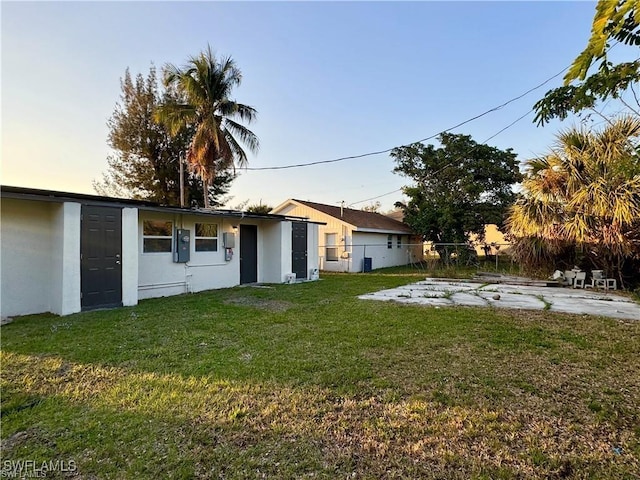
x: 206, y: 84
x: 585, y: 192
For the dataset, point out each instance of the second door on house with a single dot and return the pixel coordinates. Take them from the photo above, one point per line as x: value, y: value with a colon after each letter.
x: 299, y: 249
x: 101, y: 262
x: 248, y: 254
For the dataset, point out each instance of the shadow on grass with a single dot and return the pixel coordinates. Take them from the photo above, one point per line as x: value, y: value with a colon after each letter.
x: 116, y: 423
x: 228, y: 382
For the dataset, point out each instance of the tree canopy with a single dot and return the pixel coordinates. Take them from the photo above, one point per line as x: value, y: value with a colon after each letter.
x: 204, y: 85
x: 617, y: 20
x: 457, y: 188
x: 145, y: 163
x: 584, y: 195
x: 260, y: 208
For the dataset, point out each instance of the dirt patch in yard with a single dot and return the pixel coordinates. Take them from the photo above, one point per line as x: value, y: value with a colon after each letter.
x: 260, y: 303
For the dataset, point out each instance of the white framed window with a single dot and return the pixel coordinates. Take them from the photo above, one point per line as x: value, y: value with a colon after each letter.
x: 331, y: 247
x: 157, y: 236
x: 389, y: 241
x: 206, y: 237
x: 399, y: 241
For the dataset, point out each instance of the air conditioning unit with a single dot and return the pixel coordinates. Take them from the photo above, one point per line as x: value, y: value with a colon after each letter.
x: 314, y: 274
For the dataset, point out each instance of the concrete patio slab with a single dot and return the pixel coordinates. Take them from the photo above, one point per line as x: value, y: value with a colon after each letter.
x: 523, y: 297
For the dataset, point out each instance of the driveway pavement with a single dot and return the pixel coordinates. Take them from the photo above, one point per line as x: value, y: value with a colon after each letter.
x: 441, y: 293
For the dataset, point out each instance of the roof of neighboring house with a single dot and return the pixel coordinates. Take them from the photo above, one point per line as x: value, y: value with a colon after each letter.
x: 24, y: 193
x: 396, y: 215
x: 359, y: 218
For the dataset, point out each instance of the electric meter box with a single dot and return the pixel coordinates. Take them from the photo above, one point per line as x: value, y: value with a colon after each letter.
x: 183, y: 246
x: 229, y: 239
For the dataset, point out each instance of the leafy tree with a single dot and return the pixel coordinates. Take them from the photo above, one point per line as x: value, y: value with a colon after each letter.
x: 583, y: 198
x: 372, y: 207
x: 145, y: 164
x: 259, y: 208
x: 614, y: 20
x: 204, y: 86
x: 457, y: 189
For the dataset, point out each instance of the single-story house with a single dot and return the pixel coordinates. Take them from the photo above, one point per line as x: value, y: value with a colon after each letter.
x: 493, y: 238
x: 66, y: 252
x: 356, y: 240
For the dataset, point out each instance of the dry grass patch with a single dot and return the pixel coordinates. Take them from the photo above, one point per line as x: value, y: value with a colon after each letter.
x: 260, y: 303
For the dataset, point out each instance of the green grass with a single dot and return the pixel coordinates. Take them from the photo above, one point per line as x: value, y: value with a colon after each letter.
x: 437, y: 269
x: 307, y: 381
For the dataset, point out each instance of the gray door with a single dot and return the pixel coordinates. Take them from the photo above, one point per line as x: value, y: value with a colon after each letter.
x: 248, y: 254
x: 299, y: 249
x: 100, y: 253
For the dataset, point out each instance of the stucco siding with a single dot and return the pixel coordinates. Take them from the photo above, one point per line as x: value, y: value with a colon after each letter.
x: 27, y: 261
x: 333, y: 226
x: 276, y: 262
x: 160, y: 276
x: 40, y: 261
x: 129, y: 256
x: 375, y: 246
x: 65, y: 280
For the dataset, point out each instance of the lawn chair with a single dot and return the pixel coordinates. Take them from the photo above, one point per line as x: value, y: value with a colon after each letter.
x: 597, y: 280
x: 578, y: 281
x: 569, y: 275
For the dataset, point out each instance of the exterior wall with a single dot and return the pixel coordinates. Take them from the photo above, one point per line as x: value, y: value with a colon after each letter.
x: 160, y: 276
x: 313, y: 255
x: 374, y: 246
x: 351, y: 243
x: 27, y: 261
x: 278, y: 260
x: 491, y: 235
x: 129, y: 256
x: 40, y: 265
x: 333, y: 225
x: 276, y: 240
x: 65, y: 280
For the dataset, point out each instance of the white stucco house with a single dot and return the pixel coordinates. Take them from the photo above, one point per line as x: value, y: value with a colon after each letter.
x: 65, y: 252
x: 354, y: 240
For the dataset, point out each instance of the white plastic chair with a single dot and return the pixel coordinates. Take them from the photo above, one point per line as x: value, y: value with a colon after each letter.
x: 578, y: 281
x: 598, y: 280
x: 569, y: 275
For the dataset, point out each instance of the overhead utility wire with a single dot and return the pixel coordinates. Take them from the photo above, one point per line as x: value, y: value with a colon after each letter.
x: 353, y: 157
x: 448, y: 165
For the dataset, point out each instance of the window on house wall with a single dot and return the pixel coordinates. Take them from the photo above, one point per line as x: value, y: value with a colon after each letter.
x: 157, y: 236
x: 206, y: 237
x: 389, y: 241
x: 399, y: 241
x: 331, y: 247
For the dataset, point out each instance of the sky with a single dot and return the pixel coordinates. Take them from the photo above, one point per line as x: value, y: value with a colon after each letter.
x: 329, y: 80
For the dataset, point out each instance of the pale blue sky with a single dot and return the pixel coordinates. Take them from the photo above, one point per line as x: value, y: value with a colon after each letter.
x: 328, y: 80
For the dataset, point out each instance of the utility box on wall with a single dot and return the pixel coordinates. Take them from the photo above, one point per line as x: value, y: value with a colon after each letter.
x: 229, y: 239
x: 183, y: 246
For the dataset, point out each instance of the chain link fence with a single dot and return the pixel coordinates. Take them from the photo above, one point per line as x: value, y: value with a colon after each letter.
x: 421, y: 257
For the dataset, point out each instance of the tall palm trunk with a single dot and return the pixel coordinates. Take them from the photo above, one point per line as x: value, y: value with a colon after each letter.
x: 205, y: 185
x: 205, y: 84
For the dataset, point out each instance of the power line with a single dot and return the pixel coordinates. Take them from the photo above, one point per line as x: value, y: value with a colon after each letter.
x: 448, y: 165
x: 353, y: 157
x: 374, y: 198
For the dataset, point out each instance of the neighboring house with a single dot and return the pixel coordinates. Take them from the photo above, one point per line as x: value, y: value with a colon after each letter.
x: 493, y: 238
x: 350, y: 236
x: 66, y: 252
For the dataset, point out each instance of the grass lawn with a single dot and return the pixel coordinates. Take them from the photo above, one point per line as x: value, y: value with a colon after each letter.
x: 306, y: 381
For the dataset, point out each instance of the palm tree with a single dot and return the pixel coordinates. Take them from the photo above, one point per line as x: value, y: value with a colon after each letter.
x: 585, y: 193
x: 205, y: 83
